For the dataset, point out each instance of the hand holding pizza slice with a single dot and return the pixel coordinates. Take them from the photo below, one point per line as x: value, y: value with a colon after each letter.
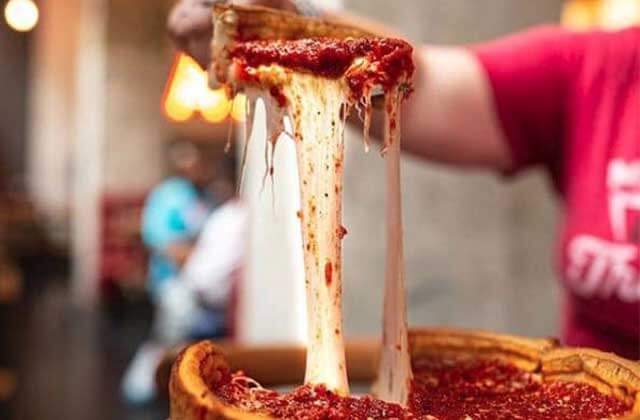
x: 316, y: 72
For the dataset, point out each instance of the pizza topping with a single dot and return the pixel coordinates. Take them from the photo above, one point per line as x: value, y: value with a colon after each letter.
x: 307, y: 403
x: 442, y: 390
x: 487, y: 390
x: 380, y: 61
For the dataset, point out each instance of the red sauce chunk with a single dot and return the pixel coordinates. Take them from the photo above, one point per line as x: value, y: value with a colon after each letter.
x: 391, y: 59
x: 328, y: 273
x: 478, y: 390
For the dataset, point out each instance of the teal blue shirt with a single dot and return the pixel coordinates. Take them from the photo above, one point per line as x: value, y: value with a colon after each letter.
x: 175, y: 211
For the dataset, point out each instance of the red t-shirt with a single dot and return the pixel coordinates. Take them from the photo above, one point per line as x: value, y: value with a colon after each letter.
x: 570, y: 103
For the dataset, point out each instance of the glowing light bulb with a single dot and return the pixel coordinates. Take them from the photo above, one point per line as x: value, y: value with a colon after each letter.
x: 180, y: 104
x: 21, y: 15
x: 581, y: 14
x: 187, y: 93
x: 239, y: 108
x: 214, y: 105
x: 617, y: 14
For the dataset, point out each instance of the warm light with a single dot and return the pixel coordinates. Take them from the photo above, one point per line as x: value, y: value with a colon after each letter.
x: 239, y: 108
x: 581, y: 14
x: 608, y: 14
x: 214, y: 105
x: 617, y: 14
x: 21, y: 15
x: 187, y: 94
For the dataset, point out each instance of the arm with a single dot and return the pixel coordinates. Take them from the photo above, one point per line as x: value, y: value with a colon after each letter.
x: 452, y: 116
x: 179, y: 252
x: 171, y: 220
x: 218, y: 252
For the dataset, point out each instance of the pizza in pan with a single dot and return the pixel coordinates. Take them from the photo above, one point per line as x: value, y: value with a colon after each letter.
x: 315, y: 74
x: 459, y: 374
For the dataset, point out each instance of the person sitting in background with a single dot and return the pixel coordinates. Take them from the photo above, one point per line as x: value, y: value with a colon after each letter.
x: 214, y: 267
x: 174, y: 214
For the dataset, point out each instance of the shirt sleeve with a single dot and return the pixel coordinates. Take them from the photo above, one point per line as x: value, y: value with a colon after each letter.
x: 219, y: 252
x: 169, y: 216
x: 530, y: 75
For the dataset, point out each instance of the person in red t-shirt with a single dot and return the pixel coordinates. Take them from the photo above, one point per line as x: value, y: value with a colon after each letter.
x: 567, y: 102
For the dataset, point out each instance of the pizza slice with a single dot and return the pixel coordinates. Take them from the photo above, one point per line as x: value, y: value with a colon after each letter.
x: 316, y: 73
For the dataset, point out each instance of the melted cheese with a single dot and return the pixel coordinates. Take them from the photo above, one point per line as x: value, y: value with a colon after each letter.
x: 394, y: 372
x: 314, y: 107
x: 318, y: 108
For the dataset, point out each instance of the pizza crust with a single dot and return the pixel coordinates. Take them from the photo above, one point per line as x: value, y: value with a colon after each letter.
x: 196, y: 372
x: 610, y: 374
x: 525, y: 353
x: 233, y: 23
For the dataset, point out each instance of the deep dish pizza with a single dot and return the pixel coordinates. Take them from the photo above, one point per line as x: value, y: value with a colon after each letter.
x: 314, y: 74
x: 458, y: 375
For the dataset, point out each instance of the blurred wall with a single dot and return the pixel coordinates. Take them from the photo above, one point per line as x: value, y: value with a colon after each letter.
x: 51, y: 119
x: 13, y: 84
x: 478, y: 251
x: 139, y: 59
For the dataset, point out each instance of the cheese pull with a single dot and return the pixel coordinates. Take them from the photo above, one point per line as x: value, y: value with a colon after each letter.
x: 316, y: 73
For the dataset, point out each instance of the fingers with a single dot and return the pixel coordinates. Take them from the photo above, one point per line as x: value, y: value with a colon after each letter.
x: 190, y: 26
x: 200, y: 50
x: 190, y: 17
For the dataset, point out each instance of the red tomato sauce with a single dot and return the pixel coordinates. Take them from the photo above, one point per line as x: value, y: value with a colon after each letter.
x: 478, y: 390
x: 492, y: 390
x: 331, y: 58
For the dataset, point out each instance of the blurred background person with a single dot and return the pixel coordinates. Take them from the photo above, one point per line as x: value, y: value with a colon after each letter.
x: 174, y: 215
x: 213, y: 269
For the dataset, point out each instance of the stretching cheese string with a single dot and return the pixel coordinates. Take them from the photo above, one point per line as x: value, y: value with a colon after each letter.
x: 318, y: 108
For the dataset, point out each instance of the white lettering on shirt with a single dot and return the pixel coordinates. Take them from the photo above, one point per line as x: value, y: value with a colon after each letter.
x: 605, y: 269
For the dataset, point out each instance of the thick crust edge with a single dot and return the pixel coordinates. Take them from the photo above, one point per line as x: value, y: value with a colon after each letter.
x: 196, y: 371
x: 524, y: 353
x: 610, y: 374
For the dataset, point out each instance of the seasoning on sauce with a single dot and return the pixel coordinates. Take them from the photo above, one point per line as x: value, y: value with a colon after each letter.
x: 486, y: 390
x: 481, y: 390
x: 385, y: 61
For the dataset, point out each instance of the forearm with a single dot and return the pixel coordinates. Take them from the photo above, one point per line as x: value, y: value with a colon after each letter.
x: 450, y: 117
x: 179, y: 252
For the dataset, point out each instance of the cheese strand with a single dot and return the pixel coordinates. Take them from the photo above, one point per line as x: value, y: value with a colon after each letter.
x: 394, y: 372
x: 315, y: 107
